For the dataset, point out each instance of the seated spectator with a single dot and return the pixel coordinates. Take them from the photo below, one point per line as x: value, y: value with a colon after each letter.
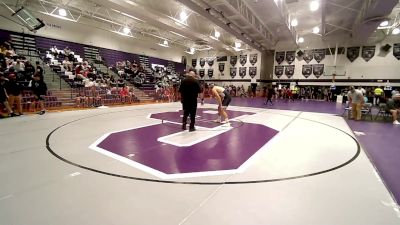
x: 67, y: 51
x: 54, y: 51
x: 29, y: 70
x: 393, y: 106
x: 81, y: 100
x: 124, y: 94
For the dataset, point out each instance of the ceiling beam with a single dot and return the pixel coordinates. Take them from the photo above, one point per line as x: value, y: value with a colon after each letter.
x: 206, y: 14
x: 346, y: 7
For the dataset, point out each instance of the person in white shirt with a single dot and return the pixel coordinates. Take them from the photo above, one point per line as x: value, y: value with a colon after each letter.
x: 356, y: 100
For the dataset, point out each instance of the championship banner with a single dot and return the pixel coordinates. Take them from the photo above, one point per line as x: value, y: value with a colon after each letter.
x: 353, y: 53
x: 308, y: 56
x: 290, y: 56
x: 289, y: 71
x: 318, y: 70
x: 279, y: 71
x: 233, y: 71
x: 307, y: 70
x: 201, y: 72
x: 279, y: 57
x: 252, y: 71
x: 233, y: 60
x: 367, y: 52
x: 194, y: 63
x: 202, y: 62
x: 242, y: 71
x: 210, y: 73
x: 396, y: 50
x: 221, y: 67
x: 243, y: 59
x: 253, y: 59
x: 210, y: 62
x: 319, y: 54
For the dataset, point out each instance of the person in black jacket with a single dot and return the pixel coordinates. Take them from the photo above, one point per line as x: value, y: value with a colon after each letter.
x: 39, y: 89
x: 189, y: 89
x: 4, y: 96
x: 14, y: 91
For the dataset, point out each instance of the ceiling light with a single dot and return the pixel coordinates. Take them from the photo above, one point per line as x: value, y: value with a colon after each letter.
x: 62, y: 12
x: 190, y: 51
x: 183, y: 15
x: 276, y: 1
x: 130, y: 2
x: 314, y: 5
x: 294, y: 22
x: 300, y: 40
x: 165, y: 42
x: 238, y: 44
x: 396, y: 31
x: 315, y: 30
x: 384, y: 23
x: 126, y: 30
x: 217, y: 34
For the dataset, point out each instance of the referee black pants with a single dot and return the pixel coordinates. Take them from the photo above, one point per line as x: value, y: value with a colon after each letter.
x: 189, y: 109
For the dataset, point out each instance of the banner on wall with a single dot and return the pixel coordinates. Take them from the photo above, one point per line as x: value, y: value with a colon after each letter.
x: 210, y: 62
x: 319, y: 54
x: 252, y: 71
x: 233, y: 71
x: 201, y: 73
x: 242, y: 71
x: 210, y: 73
x: 243, y: 59
x: 279, y: 57
x: 396, y: 50
x: 367, y: 52
x: 318, y: 70
x: 233, y: 60
x: 307, y: 70
x: 202, y: 62
x: 353, y: 53
x: 279, y: 71
x: 194, y: 63
x: 308, y: 56
x: 289, y: 71
x: 290, y: 56
x: 221, y: 67
x: 253, y: 59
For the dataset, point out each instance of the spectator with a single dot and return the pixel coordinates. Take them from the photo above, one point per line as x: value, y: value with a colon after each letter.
x: 4, y: 96
x: 14, y: 90
x: 29, y: 70
x: 39, y: 70
x: 39, y: 89
x: 378, y: 95
x: 356, y: 100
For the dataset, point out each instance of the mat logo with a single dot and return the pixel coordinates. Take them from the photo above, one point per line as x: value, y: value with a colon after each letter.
x: 165, y: 151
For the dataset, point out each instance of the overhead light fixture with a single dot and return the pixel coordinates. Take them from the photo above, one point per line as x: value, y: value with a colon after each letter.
x: 396, y: 31
x: 126, y: 30
x: 131, y: 2
x: 300, y: 40
x: 62, y: 12
x: 217, y: 34
x: 294, y: 22
x: 384, y: 23
x: 183, y: 15
x: 314, y: 5
x: 164, y: 44
x: 315, y: 30
x: 238, y: 44
x: 276, y: 2
x: 190, y: 51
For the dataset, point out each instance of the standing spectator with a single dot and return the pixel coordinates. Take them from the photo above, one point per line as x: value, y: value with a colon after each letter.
x: 39, y: 70
x: 39, y: 89
x: 189, y: 89
x: 356, y: 100
x: 29, y: 70
x: 270, y: 94
x: 4, y: 96
x: 14, y: 91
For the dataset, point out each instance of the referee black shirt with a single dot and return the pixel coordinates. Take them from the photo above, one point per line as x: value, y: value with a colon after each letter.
x: 189, y: 89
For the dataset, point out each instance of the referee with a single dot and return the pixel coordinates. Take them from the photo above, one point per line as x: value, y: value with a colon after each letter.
x: 189, y: 90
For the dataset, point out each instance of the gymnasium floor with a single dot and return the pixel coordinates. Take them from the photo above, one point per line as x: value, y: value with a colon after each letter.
x: 295, y: 163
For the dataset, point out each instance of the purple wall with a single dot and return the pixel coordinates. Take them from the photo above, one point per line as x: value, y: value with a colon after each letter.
x: 4, y: 36
x: 47, y: 43
x: 112, y: 56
